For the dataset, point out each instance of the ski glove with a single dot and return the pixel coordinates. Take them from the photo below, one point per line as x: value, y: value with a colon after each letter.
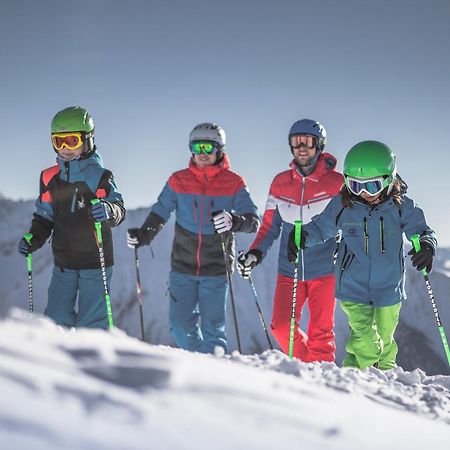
x: 101, y: 211
x: 292, y: 249
x: 137, y: 237
x: 25, y: 248
x: 423, y: 259
x: 247, y: 262
x: 223, y: 221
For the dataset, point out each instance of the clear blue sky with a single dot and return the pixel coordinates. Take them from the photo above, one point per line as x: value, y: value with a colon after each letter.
x: 148, y: 71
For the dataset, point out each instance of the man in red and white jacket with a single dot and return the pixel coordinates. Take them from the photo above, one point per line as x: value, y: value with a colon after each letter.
x: 298, y: 194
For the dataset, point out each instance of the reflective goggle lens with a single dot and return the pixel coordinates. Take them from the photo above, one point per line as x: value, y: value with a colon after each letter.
x: 303, y: 140
x: 372, y: 187
x: 200, y: 147
x: 72, y: 141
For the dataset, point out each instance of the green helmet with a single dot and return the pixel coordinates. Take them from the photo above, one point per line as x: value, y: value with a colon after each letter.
x: 371, y: 159
x: 75, y: 118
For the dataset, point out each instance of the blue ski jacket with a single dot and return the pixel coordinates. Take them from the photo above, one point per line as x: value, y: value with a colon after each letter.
x: 369, y: 267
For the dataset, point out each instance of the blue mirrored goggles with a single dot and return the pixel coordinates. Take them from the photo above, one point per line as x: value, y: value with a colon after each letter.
x: 371, y: 186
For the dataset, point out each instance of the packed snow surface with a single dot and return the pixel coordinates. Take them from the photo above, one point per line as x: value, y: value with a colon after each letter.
x: 91, y: 389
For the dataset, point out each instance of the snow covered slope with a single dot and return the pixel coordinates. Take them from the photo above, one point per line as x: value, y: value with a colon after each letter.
x: 90, y: 389
x: 419, y: 341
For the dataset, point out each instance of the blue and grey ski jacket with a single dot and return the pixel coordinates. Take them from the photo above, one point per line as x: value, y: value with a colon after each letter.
x: 370, y: 266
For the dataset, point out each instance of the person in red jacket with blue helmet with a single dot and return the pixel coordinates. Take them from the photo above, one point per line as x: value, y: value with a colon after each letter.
x: 298, y: 194
x: 209, y: 199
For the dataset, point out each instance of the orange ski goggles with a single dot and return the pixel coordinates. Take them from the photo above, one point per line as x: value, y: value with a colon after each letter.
x: 72, y: 140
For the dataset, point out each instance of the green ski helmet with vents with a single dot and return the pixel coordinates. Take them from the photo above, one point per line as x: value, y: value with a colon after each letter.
x: 371, y: 159
x: 75, y: 118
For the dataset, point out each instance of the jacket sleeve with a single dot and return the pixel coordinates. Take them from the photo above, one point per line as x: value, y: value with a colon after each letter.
x: 412, y: 220
x: 42, y: 223
x: 245, y: 212
x: 270, y: 228
x: 166, y: 203
x: 110, y: 194
x: 323, y: 226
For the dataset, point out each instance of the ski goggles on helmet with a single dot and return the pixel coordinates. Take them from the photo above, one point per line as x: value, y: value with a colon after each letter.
x: 71, y: 141
x: 303, y: 140
x: 372, y: 186
x: 207, y: 147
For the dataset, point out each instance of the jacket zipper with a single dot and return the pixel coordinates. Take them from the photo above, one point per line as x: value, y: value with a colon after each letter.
x: 200, y: 222
x: 383, y: 249
x: 301, y: 218
x: 74, y: 199
x: 366, y: 237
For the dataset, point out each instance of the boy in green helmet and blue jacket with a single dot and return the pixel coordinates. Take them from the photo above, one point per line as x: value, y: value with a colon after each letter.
x: 371, y: 214
x: 64, y: 211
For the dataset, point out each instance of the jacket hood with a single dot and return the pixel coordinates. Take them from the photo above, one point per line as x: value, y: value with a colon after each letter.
x: 326, y: 163
x: 210, y: 171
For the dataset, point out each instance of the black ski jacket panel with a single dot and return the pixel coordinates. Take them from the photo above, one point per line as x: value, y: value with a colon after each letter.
x: 63, y: 210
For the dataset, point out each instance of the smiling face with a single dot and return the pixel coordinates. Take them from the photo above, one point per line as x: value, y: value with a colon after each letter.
x: 369, y: 198
x: 204, y: 160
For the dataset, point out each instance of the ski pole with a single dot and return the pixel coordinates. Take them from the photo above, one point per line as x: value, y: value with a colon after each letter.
x: 98, y: 229
x: 260, y: 312
x: 233, y: 307
x: 298, y: 231
x: 139, y: 291
x: 416, y: 243
x: 28, y: 238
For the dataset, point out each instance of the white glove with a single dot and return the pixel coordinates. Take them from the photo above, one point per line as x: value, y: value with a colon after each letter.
x: 245, y: 264
x: 223, y: 221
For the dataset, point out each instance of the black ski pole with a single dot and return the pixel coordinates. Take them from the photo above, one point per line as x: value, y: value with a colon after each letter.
x: 233, y: 307
x: 98, y: 229
x: 139, y: 291
x: 416, y: 243
x: 28, y: 238
x: 260, y: 312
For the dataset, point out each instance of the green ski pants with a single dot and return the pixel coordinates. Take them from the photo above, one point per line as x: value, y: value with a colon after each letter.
x: 371, y: 341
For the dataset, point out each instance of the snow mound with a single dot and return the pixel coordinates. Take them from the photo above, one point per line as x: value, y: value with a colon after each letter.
x: 90, y: 389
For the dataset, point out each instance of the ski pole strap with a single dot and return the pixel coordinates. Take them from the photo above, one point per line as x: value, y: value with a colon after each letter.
x: 415, y: 239
x: 98, y: 225
x: 298, y: 235
x: 28, y: 238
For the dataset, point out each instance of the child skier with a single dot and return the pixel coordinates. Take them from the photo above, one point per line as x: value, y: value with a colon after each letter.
x: 371, y: 214
x: 64, y: 210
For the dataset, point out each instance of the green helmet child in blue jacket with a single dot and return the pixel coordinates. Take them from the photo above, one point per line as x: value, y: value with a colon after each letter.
x: 371, y: 214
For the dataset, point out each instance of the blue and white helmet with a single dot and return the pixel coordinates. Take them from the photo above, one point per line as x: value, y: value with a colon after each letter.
x: 313, y: 128
x: 208, y: 132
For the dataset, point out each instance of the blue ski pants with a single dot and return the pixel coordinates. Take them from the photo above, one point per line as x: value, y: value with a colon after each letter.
x: 197, y: 311
x: 87, y: 284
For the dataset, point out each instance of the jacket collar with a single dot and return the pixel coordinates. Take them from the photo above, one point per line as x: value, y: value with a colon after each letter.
x: 209, y: 172
x: 325, y: 163
x: 78, y: 165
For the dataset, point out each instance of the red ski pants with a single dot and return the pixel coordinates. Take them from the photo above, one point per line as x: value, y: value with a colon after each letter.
x: 318, y: 344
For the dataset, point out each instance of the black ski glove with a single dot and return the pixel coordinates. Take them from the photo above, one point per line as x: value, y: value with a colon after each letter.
x: 25, y: 248
x: 423, y: 259
x: 247, y: 262
x: 292, y: 249
x: 137, y: 237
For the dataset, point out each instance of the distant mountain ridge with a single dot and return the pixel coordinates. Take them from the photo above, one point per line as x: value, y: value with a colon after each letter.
x: 417, y: 335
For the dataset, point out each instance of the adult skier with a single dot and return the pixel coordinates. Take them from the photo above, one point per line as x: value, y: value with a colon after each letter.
x: 298, y: 194
x: 209, y: 200
x: 372, y: 214
x: 64, y: 212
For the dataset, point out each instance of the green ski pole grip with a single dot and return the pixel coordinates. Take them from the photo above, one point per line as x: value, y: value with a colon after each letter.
x: 415, y: 239
x: 98, y: 225
x: 28, y: 238
x: 298, y: 235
